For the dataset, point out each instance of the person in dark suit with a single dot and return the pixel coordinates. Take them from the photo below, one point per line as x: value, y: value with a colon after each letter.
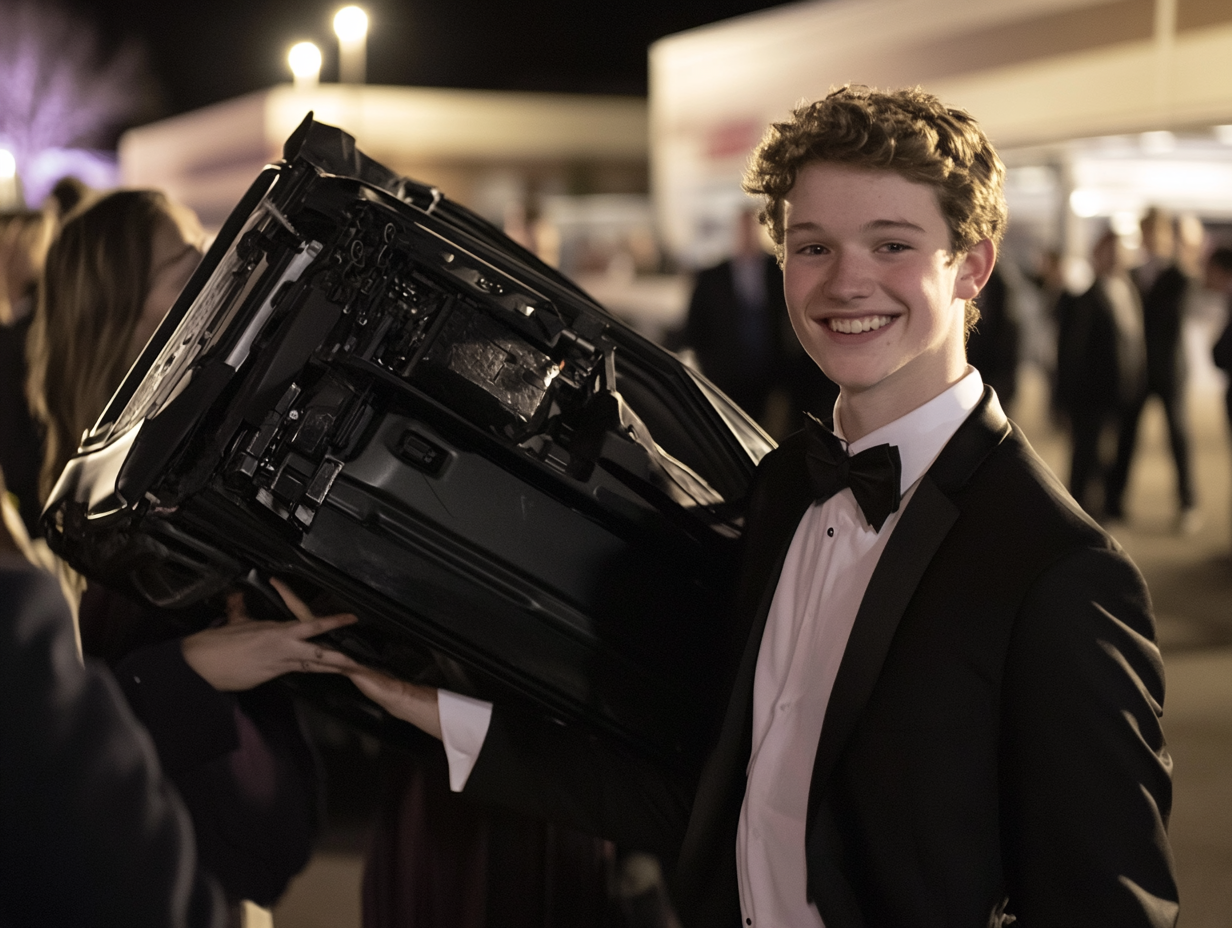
x: 1219, y: 279
x: 1163, y: 287
x: 943, y: 693
x: 91, y: 833
x: 734, y: 320
x: 992, y: 346
x: 1100, y: 363
x: 737, y: 325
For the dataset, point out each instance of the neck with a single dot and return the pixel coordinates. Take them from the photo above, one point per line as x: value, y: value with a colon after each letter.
x: 858, y: 413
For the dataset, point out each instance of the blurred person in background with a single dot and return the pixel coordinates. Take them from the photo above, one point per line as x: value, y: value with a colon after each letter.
x: 91, y: 832
x: 992, y: 346
x: 24, y: 238
x: 1218, y: 278
x: 737, y: 325
x: 1163, y: 287
x: 231, y: 744
x: 68, y: 194
x: 1101, y: 363
x: 1049, y: 279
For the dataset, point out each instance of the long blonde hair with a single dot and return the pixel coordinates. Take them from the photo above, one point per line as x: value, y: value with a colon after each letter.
x: 93, y: 289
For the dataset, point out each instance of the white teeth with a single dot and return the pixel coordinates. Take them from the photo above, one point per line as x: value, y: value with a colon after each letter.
x: 855, y: 325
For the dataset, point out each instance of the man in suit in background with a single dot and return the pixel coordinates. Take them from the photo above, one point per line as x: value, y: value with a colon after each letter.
x: 1163, y: 287
x: 943, y: 689
x: 1100, y: 363
x: 737, y: 325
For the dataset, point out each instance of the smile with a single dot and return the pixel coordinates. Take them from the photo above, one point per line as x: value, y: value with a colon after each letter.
x: 854, y: 325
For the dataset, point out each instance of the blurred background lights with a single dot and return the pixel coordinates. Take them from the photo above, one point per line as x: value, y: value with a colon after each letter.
x: 351, y: 27
x: 304, y: 59
x: 1224, y: 134
x: 1085, y: 203
x: 350, y: 24
x: 8, y: 165
x: 1157, y: 143
x: 1125, y: 223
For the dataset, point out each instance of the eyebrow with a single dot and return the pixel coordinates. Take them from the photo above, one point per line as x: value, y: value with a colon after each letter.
x: 875, y: 225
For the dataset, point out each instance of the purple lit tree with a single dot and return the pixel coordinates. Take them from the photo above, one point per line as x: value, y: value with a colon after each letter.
x: 59, y: 91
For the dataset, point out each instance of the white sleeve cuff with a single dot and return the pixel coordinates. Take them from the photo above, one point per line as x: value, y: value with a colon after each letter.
x: 464, y: 726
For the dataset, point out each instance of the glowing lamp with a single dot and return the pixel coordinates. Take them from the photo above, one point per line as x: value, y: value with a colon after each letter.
x: 351, y: 27
x: 351, y: 24
x: 304, y: 59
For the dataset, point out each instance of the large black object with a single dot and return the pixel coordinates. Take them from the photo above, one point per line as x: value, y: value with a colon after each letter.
x: 370, y: 390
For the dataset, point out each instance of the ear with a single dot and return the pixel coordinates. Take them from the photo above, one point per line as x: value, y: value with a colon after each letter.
x: 974, y: 269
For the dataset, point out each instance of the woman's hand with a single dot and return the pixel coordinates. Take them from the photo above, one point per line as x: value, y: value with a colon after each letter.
x: 245, y: 653
x: 407, y: 701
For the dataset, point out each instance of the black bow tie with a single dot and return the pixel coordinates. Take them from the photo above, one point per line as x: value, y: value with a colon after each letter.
x: 873, y: 474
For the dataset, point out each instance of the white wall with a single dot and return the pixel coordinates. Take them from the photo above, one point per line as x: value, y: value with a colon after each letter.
x: 1032, y: 72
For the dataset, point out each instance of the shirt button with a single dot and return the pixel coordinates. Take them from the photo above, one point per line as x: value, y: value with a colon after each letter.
x: 748, y: 921
x: 830, y: 532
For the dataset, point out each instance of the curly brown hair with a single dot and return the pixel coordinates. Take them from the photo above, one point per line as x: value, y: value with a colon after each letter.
x: 909, y: 132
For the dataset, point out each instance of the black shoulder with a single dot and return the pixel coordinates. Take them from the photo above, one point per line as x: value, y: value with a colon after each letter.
x: 1016, y: 487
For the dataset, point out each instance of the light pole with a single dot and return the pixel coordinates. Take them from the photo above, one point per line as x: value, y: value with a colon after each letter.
x: 304, y: 58
x: 351, y: 27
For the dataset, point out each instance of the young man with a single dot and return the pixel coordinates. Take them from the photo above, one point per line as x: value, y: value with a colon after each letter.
x: 945, y: 699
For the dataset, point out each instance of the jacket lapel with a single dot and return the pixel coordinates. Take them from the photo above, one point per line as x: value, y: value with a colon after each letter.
x: 706, y: 874
x: 919, y: 533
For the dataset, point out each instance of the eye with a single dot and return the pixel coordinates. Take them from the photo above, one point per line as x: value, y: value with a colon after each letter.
x: 895, y: 248
x: 812, y: 249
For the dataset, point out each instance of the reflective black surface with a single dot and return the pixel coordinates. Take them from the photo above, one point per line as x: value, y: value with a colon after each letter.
x: 373, y: 392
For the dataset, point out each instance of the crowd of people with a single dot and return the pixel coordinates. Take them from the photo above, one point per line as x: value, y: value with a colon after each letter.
x: 991, y: 745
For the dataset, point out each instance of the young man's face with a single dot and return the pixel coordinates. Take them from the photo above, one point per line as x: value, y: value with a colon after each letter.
x: 873, y: 294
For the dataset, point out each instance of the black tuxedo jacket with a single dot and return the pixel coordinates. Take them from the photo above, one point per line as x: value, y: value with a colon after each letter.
x: 1163, y: 311
x: 1095, y: 371
x: 714, y: 331
x: 992, y: 744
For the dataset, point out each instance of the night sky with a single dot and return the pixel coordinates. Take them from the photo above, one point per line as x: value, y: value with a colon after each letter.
x: 200, y: 53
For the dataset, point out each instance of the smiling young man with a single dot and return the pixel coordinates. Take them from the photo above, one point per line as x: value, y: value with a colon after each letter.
x: 945, y: 702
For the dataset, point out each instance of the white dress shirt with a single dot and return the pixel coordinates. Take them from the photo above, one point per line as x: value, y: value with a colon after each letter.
x: 828, y: 566
x: 825, y: 574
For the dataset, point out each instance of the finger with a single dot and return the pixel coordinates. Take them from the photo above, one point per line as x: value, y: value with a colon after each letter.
x: 328, y: 657
x: 322, y: 668
x: 297, y: 606
x: 312, y: 627
x: 236, y: 611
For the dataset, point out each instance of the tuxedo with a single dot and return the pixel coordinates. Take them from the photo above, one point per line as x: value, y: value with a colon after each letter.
x: 1163, y: 311
x: 1100, y: 371
x: 748, y: 351
x: 992, y: 744
x: 738, y: 340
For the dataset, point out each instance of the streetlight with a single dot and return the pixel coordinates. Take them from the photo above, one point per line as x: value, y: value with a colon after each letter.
x: 351, y: 27
x: 304, y: 59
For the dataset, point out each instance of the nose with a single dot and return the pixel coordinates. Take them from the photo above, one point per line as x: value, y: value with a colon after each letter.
x: 848, y: 278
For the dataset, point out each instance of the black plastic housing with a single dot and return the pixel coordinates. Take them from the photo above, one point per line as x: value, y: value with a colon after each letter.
x: 371, y: 391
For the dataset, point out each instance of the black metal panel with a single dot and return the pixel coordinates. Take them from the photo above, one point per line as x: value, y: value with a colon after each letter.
x: 371, y: 390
